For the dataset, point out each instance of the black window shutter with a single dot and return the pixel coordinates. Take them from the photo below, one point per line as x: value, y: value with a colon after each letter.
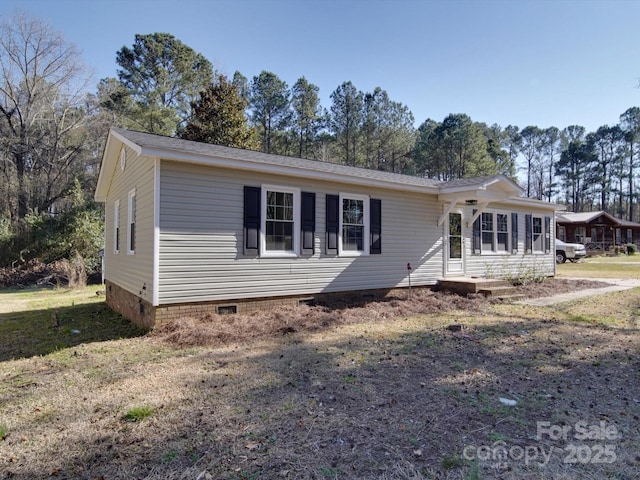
x: 514, y: 232
x: 547, y: 234
x: 251, y: 218
x: 528, y: 233
x: 375, y: 226
x: 308, y: 220
x: 476, y: 234
x: 332, y: 221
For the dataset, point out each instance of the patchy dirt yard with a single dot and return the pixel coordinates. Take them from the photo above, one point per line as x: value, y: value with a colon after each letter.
x: 427, y: 386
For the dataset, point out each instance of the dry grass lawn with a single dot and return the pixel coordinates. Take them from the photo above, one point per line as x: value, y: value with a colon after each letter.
x: 367, y: 388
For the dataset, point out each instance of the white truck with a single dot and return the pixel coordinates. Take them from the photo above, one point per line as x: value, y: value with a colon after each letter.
x: 569, y: 251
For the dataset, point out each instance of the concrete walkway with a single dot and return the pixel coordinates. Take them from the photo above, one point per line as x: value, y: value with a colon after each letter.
x: 616, y: 285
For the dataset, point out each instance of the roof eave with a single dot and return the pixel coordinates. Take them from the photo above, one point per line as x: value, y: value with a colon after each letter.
x: 509, y: 187
x: 108, y: 162
x: 297, y: 171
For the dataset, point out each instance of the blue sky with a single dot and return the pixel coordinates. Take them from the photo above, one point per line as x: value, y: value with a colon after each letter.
x: 520, y: 62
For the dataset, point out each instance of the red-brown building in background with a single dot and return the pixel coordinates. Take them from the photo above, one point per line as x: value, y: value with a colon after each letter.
x: 598, y: 231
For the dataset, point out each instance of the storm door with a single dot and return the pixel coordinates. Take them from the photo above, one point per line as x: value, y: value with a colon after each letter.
x: 454, y: 244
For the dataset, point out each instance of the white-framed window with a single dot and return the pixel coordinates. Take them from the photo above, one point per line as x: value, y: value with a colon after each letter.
x: 562, y: 233
x: 131, y: 223
x: 116, y: 226
x: 502, y: 232
x: 538, y: 234
x: 580, y: 234
x: 487, y: 232
x: 354, y: 225
x: 494, y: 232
x: 280, y: 217
x: 629, y: 235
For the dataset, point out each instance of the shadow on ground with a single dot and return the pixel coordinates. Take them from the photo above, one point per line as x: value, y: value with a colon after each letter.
x: 39, y: 332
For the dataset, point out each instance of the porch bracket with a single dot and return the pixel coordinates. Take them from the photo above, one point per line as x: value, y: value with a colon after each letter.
x: 447, y: 211
x: 481, y: 207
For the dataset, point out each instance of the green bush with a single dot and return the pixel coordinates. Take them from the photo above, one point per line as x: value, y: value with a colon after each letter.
x: 631, y: 248
x: 72, y: 234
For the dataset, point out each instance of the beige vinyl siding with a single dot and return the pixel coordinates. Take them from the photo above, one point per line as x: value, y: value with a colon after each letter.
x: 133, y: 272
x: 201, y: 240
x: 499, y: 265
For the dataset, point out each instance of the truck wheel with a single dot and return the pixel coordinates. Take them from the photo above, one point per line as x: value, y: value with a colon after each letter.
x: 560, y: 256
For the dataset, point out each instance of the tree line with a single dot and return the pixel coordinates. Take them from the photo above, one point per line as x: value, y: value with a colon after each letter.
x: 53, y: 126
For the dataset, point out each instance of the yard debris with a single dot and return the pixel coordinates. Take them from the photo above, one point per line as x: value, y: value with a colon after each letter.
x: 508, y: 402
x: 334, y: 311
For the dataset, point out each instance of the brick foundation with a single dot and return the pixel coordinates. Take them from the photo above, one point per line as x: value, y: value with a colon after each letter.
x: 130, y: 306
x: 167, y: 313
x: 143, y: 314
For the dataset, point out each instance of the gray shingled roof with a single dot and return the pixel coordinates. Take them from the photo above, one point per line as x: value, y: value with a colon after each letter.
x: 169, y: 144
x: 586, y: 217
x: 571, y: 217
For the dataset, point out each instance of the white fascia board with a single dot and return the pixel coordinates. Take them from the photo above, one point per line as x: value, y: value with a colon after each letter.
x: 480, y: 195
x: 109, y: 162
x: 290, y: 171
x: 535, y: 203
x: 156, y: 232
x: 483, y: 196
x: 133, y: 146
x: 508, y: 187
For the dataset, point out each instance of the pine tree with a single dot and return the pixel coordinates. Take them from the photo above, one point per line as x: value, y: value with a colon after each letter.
x: 218, y: 117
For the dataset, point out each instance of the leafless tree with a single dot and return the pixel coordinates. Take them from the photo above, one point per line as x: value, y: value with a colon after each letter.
x: 44, y: 145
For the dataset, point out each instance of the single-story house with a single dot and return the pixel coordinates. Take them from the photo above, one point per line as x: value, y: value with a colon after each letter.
x: 194, y: 228
x: 598, y: 231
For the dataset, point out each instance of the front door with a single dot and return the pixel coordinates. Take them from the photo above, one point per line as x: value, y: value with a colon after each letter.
x: 454, y: 254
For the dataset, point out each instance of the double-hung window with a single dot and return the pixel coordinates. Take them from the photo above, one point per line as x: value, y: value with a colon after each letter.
x: 502, y: 232
x: 487, y: 232
x: 354, y: 225
x: 492, y: 232
x: 280, y: 217
x: 116, y: 226
x: 538, y: 234
x: 131, y: 225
